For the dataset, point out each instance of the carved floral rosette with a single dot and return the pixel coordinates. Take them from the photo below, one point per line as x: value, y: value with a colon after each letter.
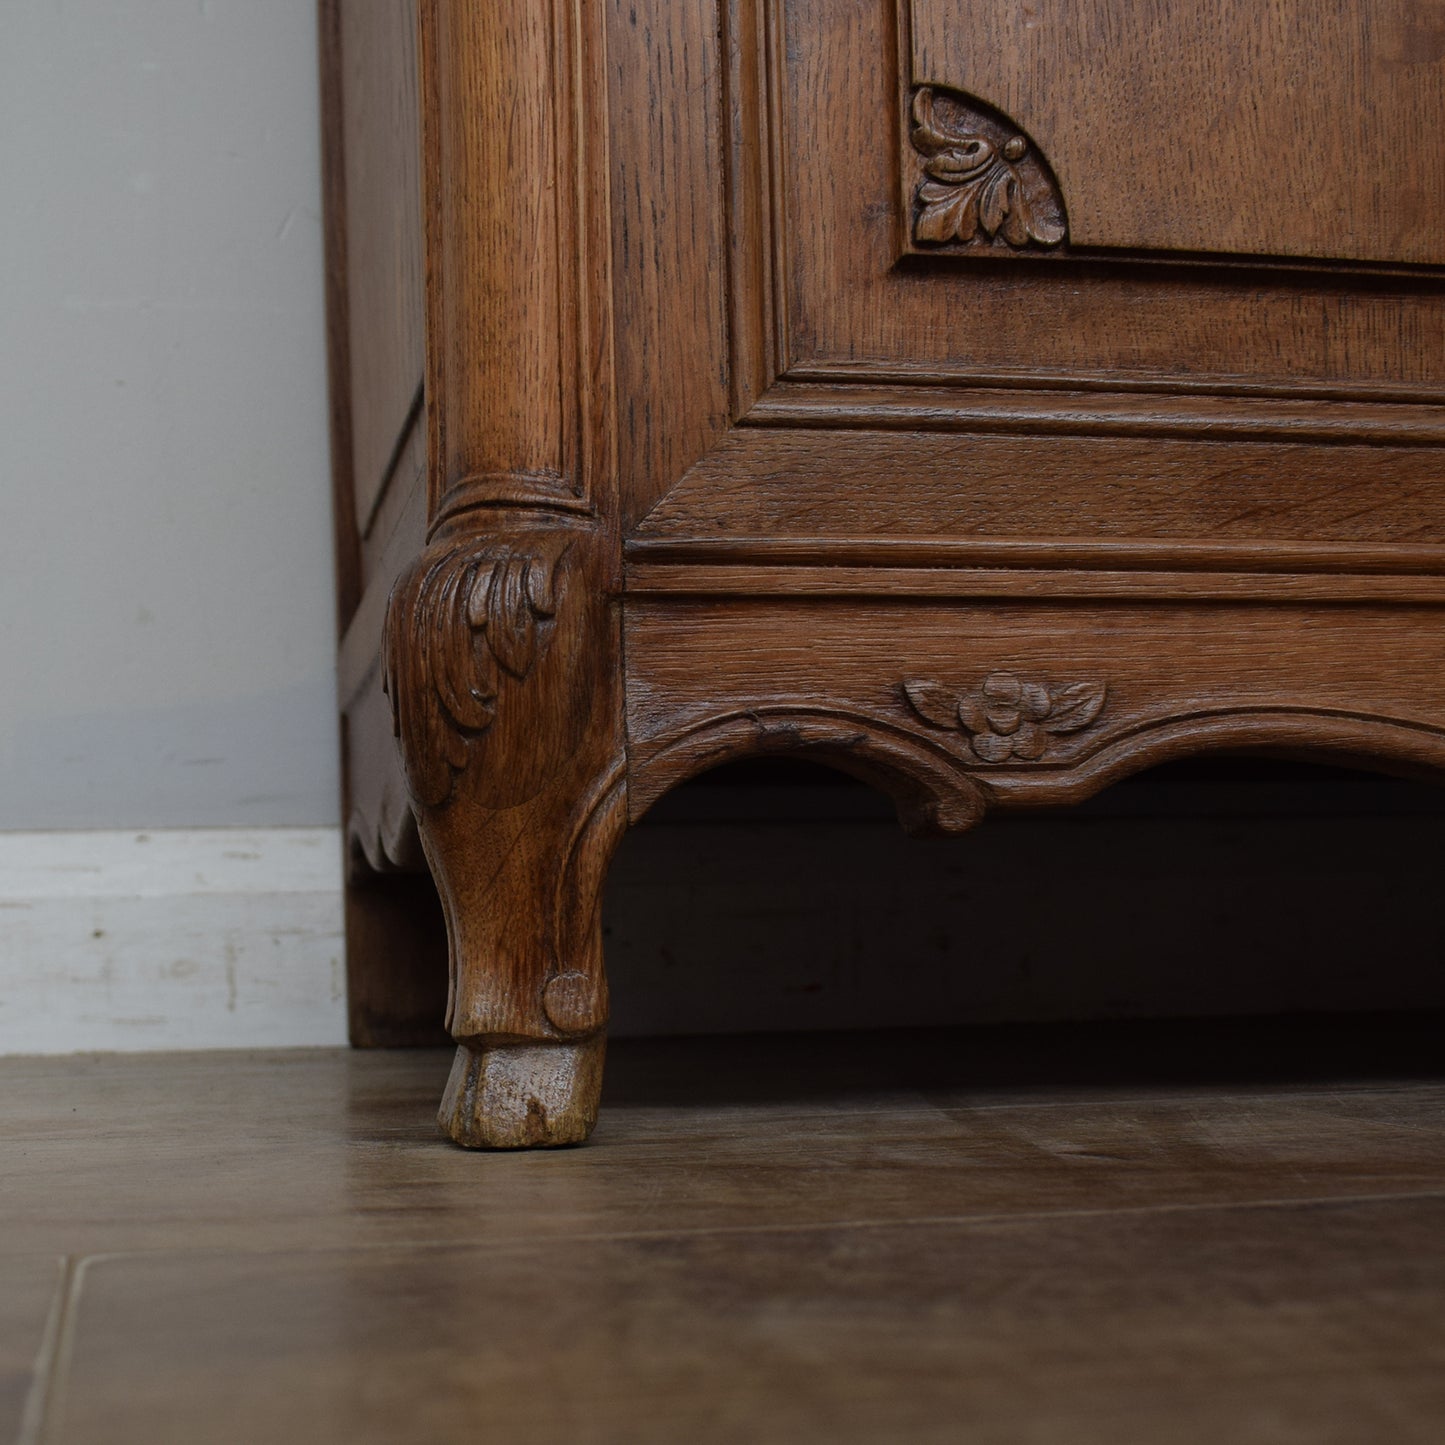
x: 1008, y: 718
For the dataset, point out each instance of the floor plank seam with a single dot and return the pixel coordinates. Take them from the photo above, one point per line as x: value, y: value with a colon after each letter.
x: 515, y: 1243
x: 1291, y: 1096
x: 40, y: 1395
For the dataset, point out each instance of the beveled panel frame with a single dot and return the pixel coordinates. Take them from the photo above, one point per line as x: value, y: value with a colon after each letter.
x: 1168, y: 289
x: 784, y: 313
x: 1298, y: 133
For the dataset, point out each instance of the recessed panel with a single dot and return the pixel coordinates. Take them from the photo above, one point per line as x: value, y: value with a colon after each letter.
x: 1302, y: 128
x: 859, y: 299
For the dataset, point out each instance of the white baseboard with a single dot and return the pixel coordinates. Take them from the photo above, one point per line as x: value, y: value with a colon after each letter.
x: 172, y: 939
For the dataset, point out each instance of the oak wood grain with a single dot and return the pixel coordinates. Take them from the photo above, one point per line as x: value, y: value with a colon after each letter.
x: 1053, y: 486
x: 876, y: 579
x: 669, y: 240
x: 1311, y: 128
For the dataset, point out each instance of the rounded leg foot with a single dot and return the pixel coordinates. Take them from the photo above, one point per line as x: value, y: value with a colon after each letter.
x: 523, y: 1095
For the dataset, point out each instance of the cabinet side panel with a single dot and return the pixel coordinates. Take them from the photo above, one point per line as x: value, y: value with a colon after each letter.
x: 383, y: 229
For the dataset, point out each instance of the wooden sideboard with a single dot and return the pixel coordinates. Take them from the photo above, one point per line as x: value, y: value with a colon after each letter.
x: 988, y: 398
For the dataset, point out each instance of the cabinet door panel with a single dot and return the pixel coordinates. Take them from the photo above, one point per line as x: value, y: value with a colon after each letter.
x: 1178, y: 362
x: 1302, y: 128
x: 858, y: 295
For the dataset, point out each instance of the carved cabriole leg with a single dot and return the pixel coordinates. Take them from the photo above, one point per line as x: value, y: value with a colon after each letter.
x: 501, y: 667
x: 504, y: 647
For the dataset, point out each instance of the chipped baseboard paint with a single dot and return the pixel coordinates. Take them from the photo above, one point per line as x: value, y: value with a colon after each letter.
x: 171, y: 939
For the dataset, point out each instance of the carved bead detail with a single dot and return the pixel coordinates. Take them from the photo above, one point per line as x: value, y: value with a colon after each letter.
x: 1007, y: 717
x: 974, y: 186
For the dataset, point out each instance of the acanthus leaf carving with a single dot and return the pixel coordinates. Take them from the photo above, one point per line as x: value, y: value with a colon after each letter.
x: 1007, y: 716
x: 981, y: 181
x: 465, y: 618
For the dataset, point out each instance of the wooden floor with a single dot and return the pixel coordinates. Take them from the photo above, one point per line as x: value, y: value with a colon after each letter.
x: 1214, y: 1233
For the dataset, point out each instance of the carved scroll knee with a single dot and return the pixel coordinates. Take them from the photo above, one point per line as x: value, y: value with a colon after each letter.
x: 504, y: 680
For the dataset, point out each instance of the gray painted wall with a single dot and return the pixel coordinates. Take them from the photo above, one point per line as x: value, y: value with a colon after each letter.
x: 165, y: 551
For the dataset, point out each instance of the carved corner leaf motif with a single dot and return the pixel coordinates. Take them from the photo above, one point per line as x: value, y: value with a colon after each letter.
x: 462, y: 620
x: 982, y: 181
x: 1007, y: 716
